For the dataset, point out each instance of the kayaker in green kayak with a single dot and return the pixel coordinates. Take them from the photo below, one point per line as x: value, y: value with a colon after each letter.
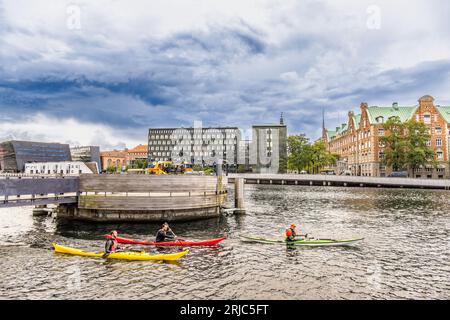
x: 291, y: 233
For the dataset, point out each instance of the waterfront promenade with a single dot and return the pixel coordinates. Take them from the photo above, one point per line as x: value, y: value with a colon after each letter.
x: 343, y: 181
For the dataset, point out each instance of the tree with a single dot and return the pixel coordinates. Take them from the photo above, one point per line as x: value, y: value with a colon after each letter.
x: 283, y: 164
x: 111, y: 169
x: 419, y: 153
x: 297, y: 152
x: 395, y: 144
x: 242, y: 169
x: 302, y: 155
x: 406, y: 144
x: 140, y: 164
x: 321, y: 157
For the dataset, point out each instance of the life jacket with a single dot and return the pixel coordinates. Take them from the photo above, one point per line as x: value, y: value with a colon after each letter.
x: 289, y: 233
x: 114, y: 245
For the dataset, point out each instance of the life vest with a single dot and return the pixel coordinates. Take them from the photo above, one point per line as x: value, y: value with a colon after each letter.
x: 289, y: 233
x: 114, y: 245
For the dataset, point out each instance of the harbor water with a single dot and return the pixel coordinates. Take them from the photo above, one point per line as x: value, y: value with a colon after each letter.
x: 404, y: 255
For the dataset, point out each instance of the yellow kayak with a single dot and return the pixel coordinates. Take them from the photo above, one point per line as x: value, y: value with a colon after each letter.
x: 127, y: 255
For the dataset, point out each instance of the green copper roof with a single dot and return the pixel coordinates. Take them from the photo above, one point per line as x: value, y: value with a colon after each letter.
x: 331, y: 133
x: 445, y: 112
x: 404, y: 113
x: 357, y: 120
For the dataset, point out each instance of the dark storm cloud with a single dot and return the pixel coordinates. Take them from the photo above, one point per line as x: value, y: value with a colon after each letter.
x: 231, y: 72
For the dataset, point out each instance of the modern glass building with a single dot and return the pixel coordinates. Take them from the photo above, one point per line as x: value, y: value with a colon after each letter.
x: 14, y: 154
x: 202, y: 146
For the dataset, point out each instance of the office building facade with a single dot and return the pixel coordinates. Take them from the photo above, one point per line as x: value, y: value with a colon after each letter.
x: 204, y: 146
x: 87, y: 154
x: 269, y: 148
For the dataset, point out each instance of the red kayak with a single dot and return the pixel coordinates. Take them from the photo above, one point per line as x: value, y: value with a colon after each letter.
x: 177, y: 243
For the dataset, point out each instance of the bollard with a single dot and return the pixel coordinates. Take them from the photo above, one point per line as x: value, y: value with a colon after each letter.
x: 239, y: 193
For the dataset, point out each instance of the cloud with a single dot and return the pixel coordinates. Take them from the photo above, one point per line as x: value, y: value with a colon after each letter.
x: 234, y: 63
x: 40, y: 127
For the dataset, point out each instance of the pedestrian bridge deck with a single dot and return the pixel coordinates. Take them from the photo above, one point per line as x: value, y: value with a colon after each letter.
x: 345, y: 181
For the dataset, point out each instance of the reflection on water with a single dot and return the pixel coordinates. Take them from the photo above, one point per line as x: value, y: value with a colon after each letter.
x: 404, y: 254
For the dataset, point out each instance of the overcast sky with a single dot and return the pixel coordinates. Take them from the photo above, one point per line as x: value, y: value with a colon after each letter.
x: 103, y: 72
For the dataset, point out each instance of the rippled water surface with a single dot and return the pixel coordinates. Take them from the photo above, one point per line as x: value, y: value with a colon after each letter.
x: 405, y: 253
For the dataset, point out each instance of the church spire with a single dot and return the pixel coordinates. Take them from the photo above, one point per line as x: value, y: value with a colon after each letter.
x: 323, y: 119
x: 324, y: 130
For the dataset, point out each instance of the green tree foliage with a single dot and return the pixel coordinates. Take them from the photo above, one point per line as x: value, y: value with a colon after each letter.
x: 139, y: 164
x: 306, y: 156
x: 111, y: 169
x: 283, y: 164
x: 242, y: 169
x: 395, y: 144
x: 419, y: 154
x: 405, y: 144
x: 298, y: 152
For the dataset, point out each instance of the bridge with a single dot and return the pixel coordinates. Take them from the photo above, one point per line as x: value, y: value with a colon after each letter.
x: 22, y: 190
x: 343, y: 181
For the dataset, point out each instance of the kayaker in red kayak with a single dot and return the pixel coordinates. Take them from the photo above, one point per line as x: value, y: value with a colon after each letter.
x: 165, y: 234
x: 111, y: 244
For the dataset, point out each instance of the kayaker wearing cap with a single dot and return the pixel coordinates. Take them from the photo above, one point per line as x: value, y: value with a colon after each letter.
x: 290, y: 233
x: 165, y: 234
x: 111, y: 243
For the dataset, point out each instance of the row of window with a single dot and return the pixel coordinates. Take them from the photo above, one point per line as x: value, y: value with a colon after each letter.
x: 439, y: 155
x: 189, y: 142
x: 180, y: 148
x: 67, y: 171
x: 381, y: 133
x: 196, y: 154
x: 193, y: 136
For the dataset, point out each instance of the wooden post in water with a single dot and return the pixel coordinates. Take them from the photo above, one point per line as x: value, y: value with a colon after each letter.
x: 239, y: 194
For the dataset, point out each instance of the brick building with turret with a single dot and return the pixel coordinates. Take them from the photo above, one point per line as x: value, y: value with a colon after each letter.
x: 359, y: 149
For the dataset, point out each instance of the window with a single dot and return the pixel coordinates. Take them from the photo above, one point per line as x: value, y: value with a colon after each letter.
x: 380, y: 119
x: 438, y: 130
x: 440, y: 155
x: 429, y: 143
x: 381, y: 132
x: 439, y: 142
x: 427, y: 118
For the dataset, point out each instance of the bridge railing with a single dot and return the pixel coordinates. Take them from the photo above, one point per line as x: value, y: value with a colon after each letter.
x: 23, y: 189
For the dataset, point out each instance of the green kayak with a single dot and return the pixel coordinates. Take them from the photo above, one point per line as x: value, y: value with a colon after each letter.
x: 305, y: 242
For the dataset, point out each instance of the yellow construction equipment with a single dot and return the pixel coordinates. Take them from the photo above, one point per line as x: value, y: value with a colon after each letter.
x: 168, y: 167
x: 160, y: 167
